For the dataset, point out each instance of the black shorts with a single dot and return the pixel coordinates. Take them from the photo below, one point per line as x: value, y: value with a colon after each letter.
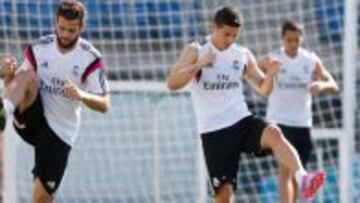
x: 300, y: 138
x: 222, y: 149
x: 51, y: 153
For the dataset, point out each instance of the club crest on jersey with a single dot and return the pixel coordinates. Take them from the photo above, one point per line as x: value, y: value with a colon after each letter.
x: 75, y: 70
x: 236, y: 64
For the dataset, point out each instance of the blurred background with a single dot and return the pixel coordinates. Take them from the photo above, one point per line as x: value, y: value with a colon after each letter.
x: 146, y: 148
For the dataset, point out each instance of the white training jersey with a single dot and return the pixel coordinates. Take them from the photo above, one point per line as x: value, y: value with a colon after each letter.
x: 82, y: 66
x: 290, y: 102
x: 217, y: 90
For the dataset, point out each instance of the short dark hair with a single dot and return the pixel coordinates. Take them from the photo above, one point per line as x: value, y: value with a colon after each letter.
x: 71, y: 10
x: 291, y: 26
x: 227, y: 15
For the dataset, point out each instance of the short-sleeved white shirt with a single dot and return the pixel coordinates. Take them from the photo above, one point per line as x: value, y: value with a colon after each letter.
x: 82, y: 66
x: 290, y: 102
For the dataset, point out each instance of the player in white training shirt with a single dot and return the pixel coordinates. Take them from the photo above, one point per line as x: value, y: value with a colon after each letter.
x: 302, y: 75
x: 214, y: 68
x: 60, y: 72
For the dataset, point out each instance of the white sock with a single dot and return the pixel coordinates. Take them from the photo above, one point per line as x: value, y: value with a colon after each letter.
x: 299, y: 174
x: 8, y: 107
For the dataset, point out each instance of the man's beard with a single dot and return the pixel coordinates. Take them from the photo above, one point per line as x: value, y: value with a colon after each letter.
x: 66, y: 46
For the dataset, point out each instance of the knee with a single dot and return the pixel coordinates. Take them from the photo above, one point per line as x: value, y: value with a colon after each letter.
x: 26, y: 77
x: 272, y: 136
x: 275, y: 132
x: 27, y: 80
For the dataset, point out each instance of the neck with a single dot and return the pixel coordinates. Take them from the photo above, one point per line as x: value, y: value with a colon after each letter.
x: 215, y: 43
x: 291, y: 54
x: 67, y: 49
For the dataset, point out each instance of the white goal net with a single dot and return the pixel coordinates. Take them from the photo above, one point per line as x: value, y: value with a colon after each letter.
x: 146, y: 148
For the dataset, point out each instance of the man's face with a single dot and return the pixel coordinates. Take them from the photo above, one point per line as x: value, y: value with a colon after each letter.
x: 68, y: 32
x: 291, y: 42
x: 225, y: 35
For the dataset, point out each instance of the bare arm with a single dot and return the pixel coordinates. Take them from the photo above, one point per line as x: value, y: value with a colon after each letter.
x: 262, y: 80
x: 100, y: 103
x: 187, y: 66
x: 322, y: 80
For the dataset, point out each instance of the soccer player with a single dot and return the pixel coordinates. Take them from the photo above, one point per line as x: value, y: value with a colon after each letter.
x: 302, y: 75
x: 60, y: 73
x: 214, y: 68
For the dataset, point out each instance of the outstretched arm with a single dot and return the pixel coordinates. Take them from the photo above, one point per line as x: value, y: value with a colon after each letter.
x: 187, y: 66
x: 322, y: 80
x: 262, y: 80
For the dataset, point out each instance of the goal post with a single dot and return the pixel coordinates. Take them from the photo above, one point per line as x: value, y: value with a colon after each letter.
x: 347, y: 147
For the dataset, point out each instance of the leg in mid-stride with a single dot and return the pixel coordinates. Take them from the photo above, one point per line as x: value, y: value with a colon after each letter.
x: 51, y: 153
x: 300, y: 138
x: 252, y: 135
x: 290, y: 164
x: 20, y: 91
x: 19, y: 95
